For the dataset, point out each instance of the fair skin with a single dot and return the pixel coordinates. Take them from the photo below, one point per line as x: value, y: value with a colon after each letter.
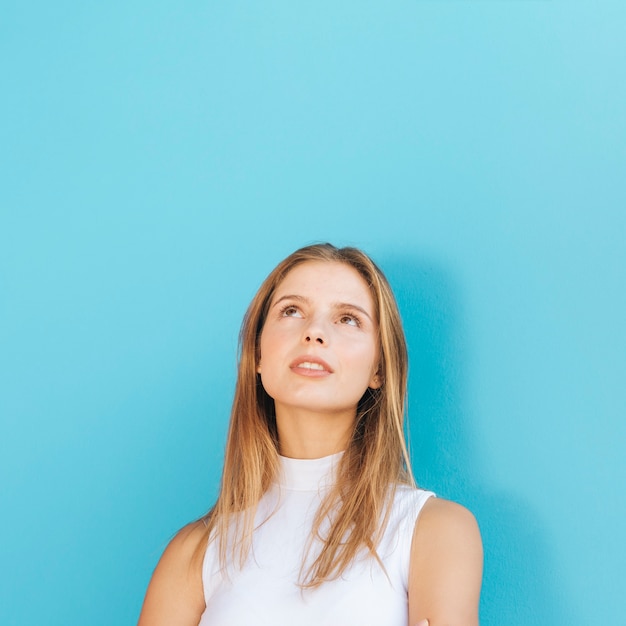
x: 319, y: 353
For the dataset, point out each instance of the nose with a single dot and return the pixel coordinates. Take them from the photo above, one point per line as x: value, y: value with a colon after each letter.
x: 315, y: 333
x: 312, y: 337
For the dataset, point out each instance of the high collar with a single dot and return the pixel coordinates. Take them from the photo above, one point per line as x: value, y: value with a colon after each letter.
x: 308, y: 474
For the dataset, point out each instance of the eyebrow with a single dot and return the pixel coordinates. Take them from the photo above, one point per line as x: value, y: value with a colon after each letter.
x: 336, y: 305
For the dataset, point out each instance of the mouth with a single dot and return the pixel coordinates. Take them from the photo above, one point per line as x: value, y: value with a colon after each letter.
x: 310, y: 366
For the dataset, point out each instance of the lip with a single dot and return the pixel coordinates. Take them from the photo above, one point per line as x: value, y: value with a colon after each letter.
x: 309, y: 358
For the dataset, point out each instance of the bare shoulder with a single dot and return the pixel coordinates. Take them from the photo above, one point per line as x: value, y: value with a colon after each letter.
x: 175, y: 595
x: 443, y: 517
x: 446, y: 565
x: 187, y: 539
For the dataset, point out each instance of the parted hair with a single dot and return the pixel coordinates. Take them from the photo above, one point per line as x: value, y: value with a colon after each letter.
x: 374, y: 463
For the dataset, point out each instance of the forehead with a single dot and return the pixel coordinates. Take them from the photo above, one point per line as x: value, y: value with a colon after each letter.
x: 332, y: 280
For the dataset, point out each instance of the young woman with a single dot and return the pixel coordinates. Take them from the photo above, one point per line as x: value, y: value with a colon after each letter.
x: 318, y: 521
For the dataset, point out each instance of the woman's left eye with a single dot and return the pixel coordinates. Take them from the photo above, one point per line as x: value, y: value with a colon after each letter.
x: 350, y: 320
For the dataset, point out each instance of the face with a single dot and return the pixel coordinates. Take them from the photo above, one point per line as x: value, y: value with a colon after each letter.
x: 319, y: 345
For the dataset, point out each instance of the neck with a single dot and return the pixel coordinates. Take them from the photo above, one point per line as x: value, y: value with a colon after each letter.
x: 307, y: 435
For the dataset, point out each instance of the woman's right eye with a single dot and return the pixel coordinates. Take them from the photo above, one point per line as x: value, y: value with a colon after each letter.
x: 290, y: 311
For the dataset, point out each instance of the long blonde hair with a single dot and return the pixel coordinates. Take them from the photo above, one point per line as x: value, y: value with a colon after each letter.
x: 375, y: 461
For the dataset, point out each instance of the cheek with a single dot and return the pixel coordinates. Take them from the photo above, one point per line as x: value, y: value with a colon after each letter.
x: 363, y: 357
x: 267, y: 343
x: 270, y: 346
x: 260, y: 351
x: 363, y: 349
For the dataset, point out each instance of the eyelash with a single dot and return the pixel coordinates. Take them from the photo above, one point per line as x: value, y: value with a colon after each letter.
x: 356, y: 318
x: 286, y: 308
x: 353, y: 316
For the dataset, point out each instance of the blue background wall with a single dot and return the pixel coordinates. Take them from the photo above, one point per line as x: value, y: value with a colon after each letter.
x: 157, y: 160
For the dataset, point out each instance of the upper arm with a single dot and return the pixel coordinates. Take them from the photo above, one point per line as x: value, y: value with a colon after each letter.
x: 446, y: 566
x: 175, y: 595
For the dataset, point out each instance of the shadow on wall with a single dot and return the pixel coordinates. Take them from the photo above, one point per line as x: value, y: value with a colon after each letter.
x: 520, y: 586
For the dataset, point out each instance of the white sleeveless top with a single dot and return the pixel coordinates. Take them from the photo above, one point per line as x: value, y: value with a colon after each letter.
x: 265, y: 591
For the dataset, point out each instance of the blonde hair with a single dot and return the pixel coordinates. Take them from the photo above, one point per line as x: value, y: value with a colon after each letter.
x: 374, y: 463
